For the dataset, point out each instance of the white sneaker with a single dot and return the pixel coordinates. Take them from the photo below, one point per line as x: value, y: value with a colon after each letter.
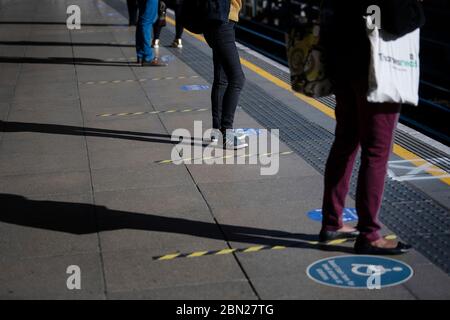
x: 233, y: 142
x: 177, y: 43
x: 155, y: 43
x: 215, y: 134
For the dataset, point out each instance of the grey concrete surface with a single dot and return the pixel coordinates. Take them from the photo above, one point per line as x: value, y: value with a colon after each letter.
x: 80, y: 189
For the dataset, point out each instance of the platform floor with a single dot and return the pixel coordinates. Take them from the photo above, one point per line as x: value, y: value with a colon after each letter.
x: 83, y: 182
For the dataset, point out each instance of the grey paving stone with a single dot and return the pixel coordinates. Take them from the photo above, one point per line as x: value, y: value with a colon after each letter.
x: 53, y: 91
x: 129, y: 158
x: 39, y: 163
x: 46, y: 144
x: 232, y: 290
x: 151, y: 175
x: 44, y: 226
x: 45, y: 278
x: 429, y: 282
x: 46, y: 183
x: 262, y: 192
x: 288, y: 166
x: 126, y: 272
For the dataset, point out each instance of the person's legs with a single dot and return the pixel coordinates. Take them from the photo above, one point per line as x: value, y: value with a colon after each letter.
x: 220, y: 82
x: 377, y: 125
x: 148, y: 11
x: 132, y: 11
x: 229, y: 60
x: 341, y: 159
x: 178, y: 23
x: 156, y: 30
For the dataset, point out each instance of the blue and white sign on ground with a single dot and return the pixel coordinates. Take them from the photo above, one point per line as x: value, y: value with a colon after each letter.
x: 167, y: 58
x: 359, y: 272
x: 195, y: 87
x: 349, y: 214
x: 246, y: 132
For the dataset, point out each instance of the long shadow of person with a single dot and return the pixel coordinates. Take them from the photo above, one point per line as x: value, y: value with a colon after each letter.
x: 80, y: 218
x: 11, y: 126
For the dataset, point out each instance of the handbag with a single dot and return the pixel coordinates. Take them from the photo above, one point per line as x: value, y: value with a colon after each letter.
x: 394, y: 70
x: 306, y: 56
x: 162, y: 13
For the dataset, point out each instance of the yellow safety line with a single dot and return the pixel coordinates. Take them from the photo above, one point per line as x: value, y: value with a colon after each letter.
x: 398, y: 150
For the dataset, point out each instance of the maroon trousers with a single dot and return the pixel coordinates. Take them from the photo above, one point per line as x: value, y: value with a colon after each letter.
x: 369, y: 127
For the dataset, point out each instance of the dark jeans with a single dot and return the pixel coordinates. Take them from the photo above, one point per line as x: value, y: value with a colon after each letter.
x: 229, y: 78
x: 132, y: 11
x: 369, y: 126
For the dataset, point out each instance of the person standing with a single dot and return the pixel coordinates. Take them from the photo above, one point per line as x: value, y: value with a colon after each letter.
x: 148, y: 13
x: 229, y: 78
x: 360, y: 125
x: 177, y: 42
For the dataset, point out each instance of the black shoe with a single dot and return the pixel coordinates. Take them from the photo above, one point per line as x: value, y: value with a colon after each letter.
x: 326, y: 236
x: 139, y: 61
x: 367, y: 248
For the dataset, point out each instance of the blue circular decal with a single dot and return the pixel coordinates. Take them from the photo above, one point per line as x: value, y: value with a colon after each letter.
x: 348, y: 214
x: 359, y: 272
x: 195, y: 87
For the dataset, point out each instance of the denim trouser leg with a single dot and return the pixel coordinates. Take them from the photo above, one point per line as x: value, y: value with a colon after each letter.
x: 148, y: 13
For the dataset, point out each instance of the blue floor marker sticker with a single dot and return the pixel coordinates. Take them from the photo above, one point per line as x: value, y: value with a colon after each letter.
x: 167, y: 58
x: 359, y: 272
x: 246, y: 132
x: 195, y: 87
x: 348, y: 215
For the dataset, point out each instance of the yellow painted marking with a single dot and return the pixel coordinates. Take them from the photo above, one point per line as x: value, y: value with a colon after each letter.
x: 225, y: 251
x: 155, y: 112
x: 186, y: 110
x: 197, y: 254
x: 106, y: 115
x: 103, y: 82
x: 254, y: 249
x: 398, y: 150
x: 165, y: 161
x: 116, y: 81
x: 278, y: 248
x: 391, y: 237
x: 337, y: 241
x: 137, y: 113
x: 170, y: 111
x: 142, y: 80
x: 169, y: 256
x: 202, y: 109
x: 156, y: 78
x: 123, y: 114
x: 182, y: 77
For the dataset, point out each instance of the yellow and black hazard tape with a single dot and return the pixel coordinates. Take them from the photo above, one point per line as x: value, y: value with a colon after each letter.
x: 168, y: 161
x: 197, y: 254
x: 122, y: 114
x: 137, y: 80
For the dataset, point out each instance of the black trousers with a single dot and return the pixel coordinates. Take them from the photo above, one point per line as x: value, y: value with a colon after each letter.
x: 132, y: 11
x: 229, y: 78
x: 178, y: 25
